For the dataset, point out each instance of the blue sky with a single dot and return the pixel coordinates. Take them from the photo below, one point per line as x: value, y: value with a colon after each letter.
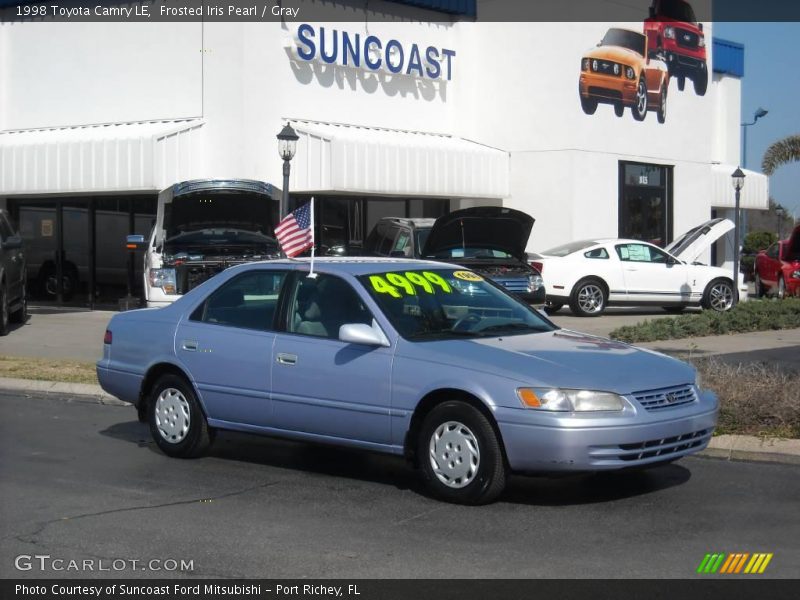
x: 772, y: 81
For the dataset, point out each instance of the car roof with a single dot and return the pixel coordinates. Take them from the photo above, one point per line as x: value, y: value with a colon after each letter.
x: 352, y: 265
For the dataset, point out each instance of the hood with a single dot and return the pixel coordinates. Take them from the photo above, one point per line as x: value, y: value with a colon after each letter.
x: 616, y: 53
x: 493, y: 227
x: 218, y: 210
x: 792, y: 248
x: 563, y: 358
x: 697, y: 240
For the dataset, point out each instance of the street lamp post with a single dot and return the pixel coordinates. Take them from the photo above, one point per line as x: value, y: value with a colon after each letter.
x: 738, y: 183
x: 760, y: 112
x: 287, y: 145
x: 781, y: 214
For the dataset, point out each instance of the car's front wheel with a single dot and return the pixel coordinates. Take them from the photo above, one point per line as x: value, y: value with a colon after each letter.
x: 3, y: 310
x: 552, y: 308
x: 661, y: 114
x: 588, y: 298
x: 589, y: 105
x: 759, y: 285
x: 639, y: 107
x: 460, y: 455
x: 700, y: 82
x: 177, y: 422
x: 719, y: 295
x: 21, y: 314
x: 781, y: 288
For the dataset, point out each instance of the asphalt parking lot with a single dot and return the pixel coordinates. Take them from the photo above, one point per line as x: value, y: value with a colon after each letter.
x: 79, y: 480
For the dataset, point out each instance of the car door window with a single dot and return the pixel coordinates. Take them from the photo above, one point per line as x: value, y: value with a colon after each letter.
x: 772, y: 251
x: 402, y: 245
x: 641, y: 253
x: 321, y: 305
x: 596, y: 253
x: 248, y: 301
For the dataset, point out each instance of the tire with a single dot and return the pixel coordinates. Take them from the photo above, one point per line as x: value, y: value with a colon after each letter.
x: 718, y: 295
x: 588, y: 298
x: 639, y: 107
x: 700, y: 82
x: 4, y: 311
x: 759, y: 287
x: 675, y: 310
x: 49, y: 281
x: 455, y: 430
x: 661, y: 113
x: 619, y: 109
x: 21, y: 314
x: 781, y: 293
x: 681, y: 82
x: 589, y: 105
x: 552, y: 308
x: 177, y: 422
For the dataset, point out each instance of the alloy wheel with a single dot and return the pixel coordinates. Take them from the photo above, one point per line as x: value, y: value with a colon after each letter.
x: 590, y: 298
x: 721, y: 297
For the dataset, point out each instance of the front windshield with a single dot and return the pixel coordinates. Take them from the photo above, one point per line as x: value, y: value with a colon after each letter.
x: 450, y: 303
x: 626, y: 39
x: 677, y: 10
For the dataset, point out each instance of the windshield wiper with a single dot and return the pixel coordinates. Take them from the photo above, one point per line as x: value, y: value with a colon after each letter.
x: 508, y: 327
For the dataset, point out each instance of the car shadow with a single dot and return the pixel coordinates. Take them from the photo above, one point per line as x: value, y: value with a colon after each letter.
x: 347, y: 463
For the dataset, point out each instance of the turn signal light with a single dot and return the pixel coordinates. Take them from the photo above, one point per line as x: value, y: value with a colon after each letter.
x: 528, y: 398
x: 107, y: 337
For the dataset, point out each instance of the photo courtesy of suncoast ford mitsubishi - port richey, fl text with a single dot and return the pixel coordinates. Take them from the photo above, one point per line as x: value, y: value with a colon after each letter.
x: 399, y: 298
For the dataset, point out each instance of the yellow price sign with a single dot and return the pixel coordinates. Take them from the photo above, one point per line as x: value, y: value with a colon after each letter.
x: 397, y: 284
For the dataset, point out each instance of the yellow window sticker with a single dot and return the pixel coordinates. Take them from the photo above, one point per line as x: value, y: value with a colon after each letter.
x: 408, y: 283
x: 467, y: 276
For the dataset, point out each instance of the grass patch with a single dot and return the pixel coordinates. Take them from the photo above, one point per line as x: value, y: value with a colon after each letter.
x: 755, y: 398
x: 69, y: 371
x: 755, y: 315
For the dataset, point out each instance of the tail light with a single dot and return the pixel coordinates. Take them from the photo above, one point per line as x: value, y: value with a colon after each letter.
x: 539, y: 266
x: 108, y: 337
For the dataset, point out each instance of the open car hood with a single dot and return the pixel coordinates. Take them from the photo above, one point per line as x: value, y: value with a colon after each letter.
x: 494, y: 227
x: 792, y: 248
x: 689, y: 246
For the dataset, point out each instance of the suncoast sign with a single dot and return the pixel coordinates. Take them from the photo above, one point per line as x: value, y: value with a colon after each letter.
x: 359, y: 50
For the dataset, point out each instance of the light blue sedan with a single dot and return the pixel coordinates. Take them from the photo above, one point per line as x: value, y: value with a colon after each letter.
x: 408, y: 357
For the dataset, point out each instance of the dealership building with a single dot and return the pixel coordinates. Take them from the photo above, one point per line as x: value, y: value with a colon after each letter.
x: 408, y: 108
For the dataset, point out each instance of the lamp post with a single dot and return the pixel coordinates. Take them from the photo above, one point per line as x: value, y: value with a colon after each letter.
x: 738, y: 183
x: 287, y: 145
x: 781, y: 214
x: 760, y: 112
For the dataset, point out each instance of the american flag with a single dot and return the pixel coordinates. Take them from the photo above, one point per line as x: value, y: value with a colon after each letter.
x: 294, y: 232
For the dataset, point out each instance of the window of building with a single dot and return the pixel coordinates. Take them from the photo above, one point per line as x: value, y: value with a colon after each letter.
x: 645, y: 202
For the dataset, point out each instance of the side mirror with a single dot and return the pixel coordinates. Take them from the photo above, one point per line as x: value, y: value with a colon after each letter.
x: 359, y: 333
x: 12, y: 243
x: 672, y: 260
x: 135, y: 243
x: 700, y: 26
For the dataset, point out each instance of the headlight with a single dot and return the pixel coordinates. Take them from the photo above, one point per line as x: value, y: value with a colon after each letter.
x: 616, y: 69
x: 629, y: 73
x: 701, y: 42
x: 795, y: 275
x: 669, y: 33
x: 164, y: 279
x: 698, y: 381
x: 535, y: 282
x: 594, y: 65
x: 585, y: 64
x: 559, y: 400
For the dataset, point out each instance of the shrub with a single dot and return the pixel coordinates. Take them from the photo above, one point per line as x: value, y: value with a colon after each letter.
x: 755, y: 315
x: 756, y: 241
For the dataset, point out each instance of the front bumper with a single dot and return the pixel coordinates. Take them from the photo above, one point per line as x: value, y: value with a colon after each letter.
x: 642, y: 440
x: 604, y: 88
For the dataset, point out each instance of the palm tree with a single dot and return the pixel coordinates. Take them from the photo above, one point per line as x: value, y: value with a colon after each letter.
x: 781, y: 152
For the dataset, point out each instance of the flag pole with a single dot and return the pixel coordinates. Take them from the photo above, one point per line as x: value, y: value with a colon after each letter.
x: 313, y: 241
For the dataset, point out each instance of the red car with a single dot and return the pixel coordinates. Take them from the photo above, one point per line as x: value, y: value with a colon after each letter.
x: 778, y: 268
x: 673, y: 32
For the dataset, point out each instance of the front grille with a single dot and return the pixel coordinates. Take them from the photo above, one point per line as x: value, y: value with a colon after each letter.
x: 606, y: 67
x: 666, y: 397
x: 663, y: 447
x: 189, y: 276
x: 520, y: 285
x: 686, y: 38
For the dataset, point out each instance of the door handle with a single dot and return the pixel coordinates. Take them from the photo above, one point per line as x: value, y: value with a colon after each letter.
x: 287, y: 359
x: 631, y: 269
x: 189, y: 345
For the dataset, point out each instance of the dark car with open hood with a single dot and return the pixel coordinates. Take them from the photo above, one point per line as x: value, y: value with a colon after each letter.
x: 489, y: 240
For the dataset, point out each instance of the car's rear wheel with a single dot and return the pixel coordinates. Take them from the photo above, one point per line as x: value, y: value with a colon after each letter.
x: 177, y: 422
x: 460, y: 455
x: 589, y: 105
x: 552, y: 308
x: 759, y: 287
x: 639, y: 107
x: 781, y: 288
x: 3, y: 310
x: 21, y: 314
x: 718, y: 295
x: 588, y: 298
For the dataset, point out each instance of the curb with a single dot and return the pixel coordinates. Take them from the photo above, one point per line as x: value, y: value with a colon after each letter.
x: 750, y: 447
x: 728, y: 447
x: 57, y: 387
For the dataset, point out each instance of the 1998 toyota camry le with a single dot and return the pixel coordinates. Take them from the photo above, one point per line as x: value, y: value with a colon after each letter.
x: 406, y: 357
